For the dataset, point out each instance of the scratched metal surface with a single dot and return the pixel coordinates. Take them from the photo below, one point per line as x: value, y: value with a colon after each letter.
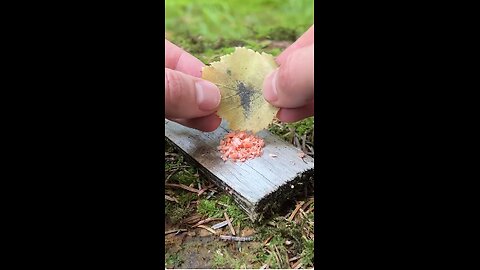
x: 252, y: 179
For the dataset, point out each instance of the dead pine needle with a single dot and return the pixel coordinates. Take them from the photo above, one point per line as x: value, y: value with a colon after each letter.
x: 220, y: 225
x: 204, y: 189
x: 297, y: 265
x: 236, y: 238
x: 222, y: 204
x: 295, y: 211
x: 267, y: 240
x: 310, y: 209
x: 175, y: 231
x: 168, y: 198
x: 171, y: 174
x: 201, y: 222
x: 294, y: 258
x: 275, y: 255
x: 183, y: 187
x: 207, y: 228
x: 232, y: 230
x: 310, y: 201
x: 303, y: 213
x: 192, y: 219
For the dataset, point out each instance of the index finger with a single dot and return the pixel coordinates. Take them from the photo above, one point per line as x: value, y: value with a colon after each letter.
x: 178, y: 59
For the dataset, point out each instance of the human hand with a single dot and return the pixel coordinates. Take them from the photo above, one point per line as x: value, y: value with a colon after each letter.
x: 290, y: 87
x: 189, y: 100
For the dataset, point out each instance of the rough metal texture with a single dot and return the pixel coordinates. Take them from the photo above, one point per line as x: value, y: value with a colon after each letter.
x: 259, y: 186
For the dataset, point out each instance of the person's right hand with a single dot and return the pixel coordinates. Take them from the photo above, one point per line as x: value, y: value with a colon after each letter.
x: 189, y: 100
x: 290, y: 87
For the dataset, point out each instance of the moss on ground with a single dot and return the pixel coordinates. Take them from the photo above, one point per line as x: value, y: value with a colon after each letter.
x: 172, y: 261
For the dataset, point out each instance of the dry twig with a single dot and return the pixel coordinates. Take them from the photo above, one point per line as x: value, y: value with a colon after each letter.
x: 183, y: 186
x: 294, y: 258
x: 295, y: 211
x: 207, y: 228
x: 236, y: 238
x: 175, y: 231
x: 297, y: 265
x: 268, y: 240
x: 232, y: 230
x: 168, y: 198
x: 206, y: 221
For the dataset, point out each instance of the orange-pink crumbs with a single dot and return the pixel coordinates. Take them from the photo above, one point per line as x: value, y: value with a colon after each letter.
x: 240, y: 146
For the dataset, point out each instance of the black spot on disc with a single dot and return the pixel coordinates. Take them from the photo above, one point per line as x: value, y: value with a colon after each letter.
x: 246, y: 93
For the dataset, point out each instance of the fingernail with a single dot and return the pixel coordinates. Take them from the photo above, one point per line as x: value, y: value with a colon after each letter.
x: 270, y: 93
x: 208, y: 95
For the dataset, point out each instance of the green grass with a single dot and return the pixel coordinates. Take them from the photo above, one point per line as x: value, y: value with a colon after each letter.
x: 175, y: 212
x: 236, y: 19
x: 172, y: 261
x: 308, y: 253
x: 211, y: 208
x: 223, y: 259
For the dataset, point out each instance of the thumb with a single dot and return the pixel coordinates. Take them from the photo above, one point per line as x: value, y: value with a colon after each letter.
x: 189, y: 97
x: 291, y: 85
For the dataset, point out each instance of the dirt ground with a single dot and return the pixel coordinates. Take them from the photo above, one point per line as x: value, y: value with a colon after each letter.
x: 198, y: 248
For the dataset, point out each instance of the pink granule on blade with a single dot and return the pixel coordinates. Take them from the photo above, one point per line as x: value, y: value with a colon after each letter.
x: 240, y: 146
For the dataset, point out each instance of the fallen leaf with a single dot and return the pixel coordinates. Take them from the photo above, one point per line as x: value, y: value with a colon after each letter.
x: 240, y: 77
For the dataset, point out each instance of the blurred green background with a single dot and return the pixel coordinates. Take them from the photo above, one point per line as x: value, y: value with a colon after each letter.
x: 237, y: 19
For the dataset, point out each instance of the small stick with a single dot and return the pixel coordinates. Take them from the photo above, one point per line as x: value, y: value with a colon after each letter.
x: 294, y: 258
x: 175, y: 231
x: 277, y: 259
x: 222, y: 204
x: 236, y: 238
x: 303, y: 213
x: 295, y: 211
x: 265, y: 266
x: 192, y: 219
x: 206, y: 221
x: 171, y: 174
x: 204, y: 189
x: 310, y: 201
x: 268, y: 240
x: 211, y: 194
x: 297, y: 142
x: 171, y: 199
x: 220, y: 225
x: 184, y: 187
x: 304, y: 138
x: 311, y: 149
x: 229, y: 223
x: 207, y: 228
x: 297, y: 265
